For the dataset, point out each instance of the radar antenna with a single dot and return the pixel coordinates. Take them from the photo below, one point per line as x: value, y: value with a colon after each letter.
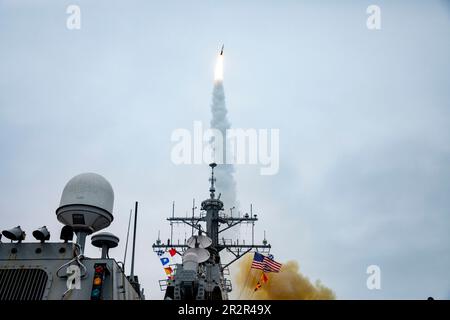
x: 194, y: 249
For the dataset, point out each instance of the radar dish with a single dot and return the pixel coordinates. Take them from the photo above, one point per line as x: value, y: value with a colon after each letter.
x: 199, y: 242
x: 197, y: 255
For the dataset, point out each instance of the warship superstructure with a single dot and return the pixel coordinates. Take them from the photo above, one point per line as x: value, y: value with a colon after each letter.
x: 202, y: 273
x: 44, y: 270
x: 59, y: 270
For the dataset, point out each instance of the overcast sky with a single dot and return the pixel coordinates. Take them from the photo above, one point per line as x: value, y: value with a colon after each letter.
x: 364, y: 119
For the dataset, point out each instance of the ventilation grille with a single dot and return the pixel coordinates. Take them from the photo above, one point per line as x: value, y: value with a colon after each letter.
x: 22, y: 284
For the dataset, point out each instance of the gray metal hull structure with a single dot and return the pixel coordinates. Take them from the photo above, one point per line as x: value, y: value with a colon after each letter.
x: 206, y: 284
x: 29, y: 271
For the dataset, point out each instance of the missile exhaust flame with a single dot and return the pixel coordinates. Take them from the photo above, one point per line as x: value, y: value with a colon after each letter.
x: 218, y: 70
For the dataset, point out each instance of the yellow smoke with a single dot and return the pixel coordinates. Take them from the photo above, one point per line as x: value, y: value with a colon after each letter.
x: 288, y: 284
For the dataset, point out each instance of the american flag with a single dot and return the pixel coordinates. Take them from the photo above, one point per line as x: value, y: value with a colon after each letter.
x: 265, y: 263
x: 258, y: 261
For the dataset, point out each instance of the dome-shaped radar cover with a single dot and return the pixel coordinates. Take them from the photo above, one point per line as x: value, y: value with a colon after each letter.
x: 91, y: 189
x: 87, y: 202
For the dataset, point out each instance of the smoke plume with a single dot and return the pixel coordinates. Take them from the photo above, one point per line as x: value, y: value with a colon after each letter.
x: 288, y: 284
x: 226, y: 185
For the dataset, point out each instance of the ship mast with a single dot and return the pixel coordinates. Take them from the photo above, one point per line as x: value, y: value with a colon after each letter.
x: 216, y: 223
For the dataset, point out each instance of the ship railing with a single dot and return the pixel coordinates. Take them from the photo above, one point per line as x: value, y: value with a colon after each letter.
x: 163, y: 284
x: 226, y: 242
x: 226, y: 271
x: 227, y: 285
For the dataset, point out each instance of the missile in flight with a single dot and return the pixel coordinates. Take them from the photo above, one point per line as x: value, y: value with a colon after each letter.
x: 218, y: 70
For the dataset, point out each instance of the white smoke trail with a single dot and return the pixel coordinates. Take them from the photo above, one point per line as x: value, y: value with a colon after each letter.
x: 226, y: 185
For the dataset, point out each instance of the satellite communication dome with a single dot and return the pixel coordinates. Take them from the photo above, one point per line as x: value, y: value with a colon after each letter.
x: 105, y: 239
x: 86, y: 203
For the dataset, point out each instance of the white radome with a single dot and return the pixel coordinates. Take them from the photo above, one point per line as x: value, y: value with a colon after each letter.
x: 87, y: 202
